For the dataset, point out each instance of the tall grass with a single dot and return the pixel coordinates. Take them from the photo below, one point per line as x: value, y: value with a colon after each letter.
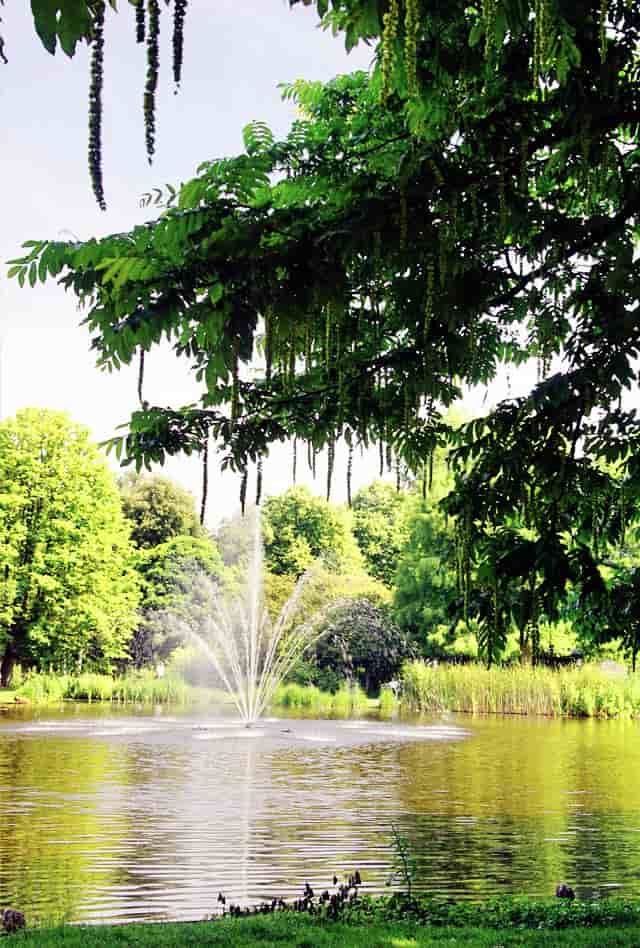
x: 388, y: 703
x: 140, y: 688
x: 348, y: 699
x: 580, y: 692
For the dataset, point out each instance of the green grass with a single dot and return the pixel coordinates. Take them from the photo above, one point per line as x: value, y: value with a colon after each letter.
x: 579, y: 692
x: 7, y: 696
x: 303, y: 932
x: 348, y: 699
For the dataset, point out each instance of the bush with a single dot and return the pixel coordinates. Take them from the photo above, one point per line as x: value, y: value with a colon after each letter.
x: 357, y: 640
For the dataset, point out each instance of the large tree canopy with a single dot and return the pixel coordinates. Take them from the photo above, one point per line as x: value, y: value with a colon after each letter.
x: 299, y: 528
x: 474, y: 202
x: 68, y: 592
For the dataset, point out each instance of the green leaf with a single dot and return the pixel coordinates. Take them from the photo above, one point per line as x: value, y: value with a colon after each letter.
x: 45, y: 16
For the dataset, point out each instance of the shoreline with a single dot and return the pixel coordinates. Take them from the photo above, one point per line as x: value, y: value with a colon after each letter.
x: 372, y: 922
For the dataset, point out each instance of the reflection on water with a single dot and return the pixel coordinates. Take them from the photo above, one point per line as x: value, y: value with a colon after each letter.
x: 112, y: 815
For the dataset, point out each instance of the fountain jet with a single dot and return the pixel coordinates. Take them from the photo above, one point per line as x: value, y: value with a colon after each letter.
x: 250, y: 654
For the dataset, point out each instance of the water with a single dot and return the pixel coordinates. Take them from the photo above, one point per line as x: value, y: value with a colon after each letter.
x: 121, y: 815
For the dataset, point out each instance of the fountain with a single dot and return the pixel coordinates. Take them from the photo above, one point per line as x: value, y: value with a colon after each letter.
x: 250, y: 654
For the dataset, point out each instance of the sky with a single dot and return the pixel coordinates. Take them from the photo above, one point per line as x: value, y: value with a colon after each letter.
x: 236, y: 53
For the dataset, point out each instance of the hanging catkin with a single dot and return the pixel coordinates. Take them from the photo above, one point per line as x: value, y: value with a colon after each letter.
x: 331, y: 452
x: 411, y: 25
x: 151, y: 84
x: 95, y: 105
x: 258, y: 482
x: 268, y: 344
x: 243, y: 490
x: 349, y: 472
x: 603, y: 30
x: 295, y: 460
x: 205, y: 480
x: 179, y: 12
x: 141, y: 375
x: 140, y: 22
x: 235, y: 385
x: 390, y: 23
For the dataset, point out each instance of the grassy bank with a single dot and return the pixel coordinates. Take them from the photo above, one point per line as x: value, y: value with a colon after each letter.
x: 43, y: 688
x: 302, y: 932
x: 6, y: 696
x: 578, y: 692
x: 349, y: 699
x: 394, y: 922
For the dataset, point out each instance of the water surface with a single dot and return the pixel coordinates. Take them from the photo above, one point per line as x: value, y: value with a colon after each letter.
x: 117, y: 814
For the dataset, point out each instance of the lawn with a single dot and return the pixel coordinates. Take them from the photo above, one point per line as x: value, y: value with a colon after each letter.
x: 299, y: 931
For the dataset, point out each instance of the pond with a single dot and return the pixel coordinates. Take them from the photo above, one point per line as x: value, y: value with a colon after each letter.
x: 120, y: 815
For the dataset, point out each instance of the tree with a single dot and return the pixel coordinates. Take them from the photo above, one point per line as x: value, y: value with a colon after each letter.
x: 379, y: 528
x: 68, y: 593
x: 158, y: 509
x: 359, y: 641
x: 299, y: 528
x: 167, y: 572
x: 474, y: 202
x: 425, y: 581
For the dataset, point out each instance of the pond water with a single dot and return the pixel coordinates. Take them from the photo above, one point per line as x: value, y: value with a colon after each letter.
x: 116, y: 815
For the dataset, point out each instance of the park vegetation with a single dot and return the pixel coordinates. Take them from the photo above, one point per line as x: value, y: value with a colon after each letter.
x: 470, y: 204
x: 91, y: 593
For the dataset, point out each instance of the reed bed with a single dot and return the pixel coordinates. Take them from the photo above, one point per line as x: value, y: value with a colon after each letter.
x: 141, y: 688
x: 579, y: 692
x: 348, y: 699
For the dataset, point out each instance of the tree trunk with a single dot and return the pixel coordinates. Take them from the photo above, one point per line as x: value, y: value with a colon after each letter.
x: 6, y: 667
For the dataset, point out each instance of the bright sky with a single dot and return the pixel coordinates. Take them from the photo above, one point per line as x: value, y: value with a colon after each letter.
x: 236, y: 52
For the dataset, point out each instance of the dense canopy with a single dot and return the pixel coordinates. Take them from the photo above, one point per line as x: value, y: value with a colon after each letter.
x: 473, y: 202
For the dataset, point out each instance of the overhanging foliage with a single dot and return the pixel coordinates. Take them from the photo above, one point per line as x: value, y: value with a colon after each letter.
x: 474, y: 203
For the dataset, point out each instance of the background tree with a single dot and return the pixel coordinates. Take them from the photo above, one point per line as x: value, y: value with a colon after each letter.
x: 158, y: 510
x: 299, y: 528
x: 167, y: 572
x: 68, y: 591
x: 379, y: 528
x: 425, y: 580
